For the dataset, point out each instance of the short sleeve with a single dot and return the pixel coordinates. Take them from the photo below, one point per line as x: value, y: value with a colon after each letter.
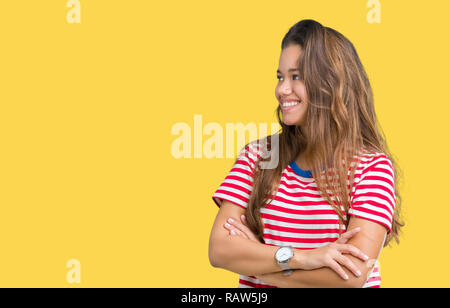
x: 237, y: 185
x: 374, y: 197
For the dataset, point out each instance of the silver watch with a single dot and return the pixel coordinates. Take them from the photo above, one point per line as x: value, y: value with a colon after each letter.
x: 282, y: 256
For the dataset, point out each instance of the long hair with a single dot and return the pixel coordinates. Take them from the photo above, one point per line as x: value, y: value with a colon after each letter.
x: 340, y: 123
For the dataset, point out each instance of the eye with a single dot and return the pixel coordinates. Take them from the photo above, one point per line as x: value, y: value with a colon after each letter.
x: 279, y: 77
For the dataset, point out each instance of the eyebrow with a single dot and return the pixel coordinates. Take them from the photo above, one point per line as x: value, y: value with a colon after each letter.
x: 290, y: 70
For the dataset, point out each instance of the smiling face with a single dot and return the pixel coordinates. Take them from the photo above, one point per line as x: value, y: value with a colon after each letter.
x: 290, y: 90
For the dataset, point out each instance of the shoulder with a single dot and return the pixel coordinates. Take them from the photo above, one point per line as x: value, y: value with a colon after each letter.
x: 255, y: 149
x: 368, y: 160
x: 374, y: 165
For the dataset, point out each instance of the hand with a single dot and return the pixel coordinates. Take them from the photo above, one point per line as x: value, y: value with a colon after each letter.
x: 331, y: 256
x: 240, y: 229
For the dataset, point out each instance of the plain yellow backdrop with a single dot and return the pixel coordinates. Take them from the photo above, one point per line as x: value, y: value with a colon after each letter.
x: 86, y: 168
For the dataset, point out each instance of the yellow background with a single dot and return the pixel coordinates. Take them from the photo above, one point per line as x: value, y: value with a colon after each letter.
x: 86, y: 170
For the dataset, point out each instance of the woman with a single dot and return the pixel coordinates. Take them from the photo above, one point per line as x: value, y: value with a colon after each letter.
x: 333, y: 201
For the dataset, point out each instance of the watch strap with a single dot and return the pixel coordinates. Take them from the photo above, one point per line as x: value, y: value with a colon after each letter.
x: 284, y: 266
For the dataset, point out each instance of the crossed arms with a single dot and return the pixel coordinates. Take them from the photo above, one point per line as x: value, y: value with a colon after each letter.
x: 326, y: 266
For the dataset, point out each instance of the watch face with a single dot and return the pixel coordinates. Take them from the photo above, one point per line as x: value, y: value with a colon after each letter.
x: 283, y: 254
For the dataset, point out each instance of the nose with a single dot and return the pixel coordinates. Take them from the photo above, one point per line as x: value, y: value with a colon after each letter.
x: 286, y: 88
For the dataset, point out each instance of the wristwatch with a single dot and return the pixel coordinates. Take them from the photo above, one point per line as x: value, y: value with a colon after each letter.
x: 282, y: 256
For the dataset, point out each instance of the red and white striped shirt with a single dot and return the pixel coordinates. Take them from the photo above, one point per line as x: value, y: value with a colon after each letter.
x: 298, y: 216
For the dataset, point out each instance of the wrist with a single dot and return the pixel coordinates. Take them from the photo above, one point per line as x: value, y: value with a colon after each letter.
x: 298, y: 261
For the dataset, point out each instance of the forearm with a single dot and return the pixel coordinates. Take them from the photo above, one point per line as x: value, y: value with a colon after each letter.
x: 243, y: 256
x: 317, y: 278
x: 337, y: 264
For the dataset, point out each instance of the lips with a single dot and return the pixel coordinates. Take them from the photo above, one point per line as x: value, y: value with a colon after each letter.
x: 289, y: 100
x: 288, y: 105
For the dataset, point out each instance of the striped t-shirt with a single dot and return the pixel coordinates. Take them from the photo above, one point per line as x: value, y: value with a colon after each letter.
x: 298, y: 216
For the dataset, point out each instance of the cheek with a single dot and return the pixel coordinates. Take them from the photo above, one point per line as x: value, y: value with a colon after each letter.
x: 300, y: 90
x: 295, y: 116
x: 277, y: 91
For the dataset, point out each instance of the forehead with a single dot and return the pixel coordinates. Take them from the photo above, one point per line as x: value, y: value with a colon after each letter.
x: 289, y: 57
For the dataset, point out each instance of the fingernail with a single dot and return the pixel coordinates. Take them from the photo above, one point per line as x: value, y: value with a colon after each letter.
x: 346, y: 277
x: 243, y: 217
x: 365, y: 257
x: 230, y: 220
x: 358, y: 273
x: 227, y: 225
x: 232, y: 232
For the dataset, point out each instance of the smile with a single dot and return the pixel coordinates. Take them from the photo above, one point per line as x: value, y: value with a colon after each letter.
x: 289, y: 105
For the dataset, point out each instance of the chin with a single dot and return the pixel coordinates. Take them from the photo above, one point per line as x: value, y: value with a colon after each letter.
x: 292, y: 122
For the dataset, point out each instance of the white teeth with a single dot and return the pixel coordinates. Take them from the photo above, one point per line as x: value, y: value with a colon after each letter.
x: 290, y: 104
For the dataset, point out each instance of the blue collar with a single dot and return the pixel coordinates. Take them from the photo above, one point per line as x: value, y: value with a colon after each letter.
x: 299, y: 171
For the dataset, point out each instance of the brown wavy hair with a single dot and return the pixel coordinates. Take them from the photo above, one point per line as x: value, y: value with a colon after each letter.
x: 340, y: 122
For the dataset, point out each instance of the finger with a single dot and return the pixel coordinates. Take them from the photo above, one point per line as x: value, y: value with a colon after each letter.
x: 350, y: 249
x: 349, y: 264
x: 234, y: 231
x: 247, y: 230
x: 241, y: 228
x: 338, y: 269
x: 230, y: 228
x: 348, y: 235
x: 244, y: 220
x: 240, y: 233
